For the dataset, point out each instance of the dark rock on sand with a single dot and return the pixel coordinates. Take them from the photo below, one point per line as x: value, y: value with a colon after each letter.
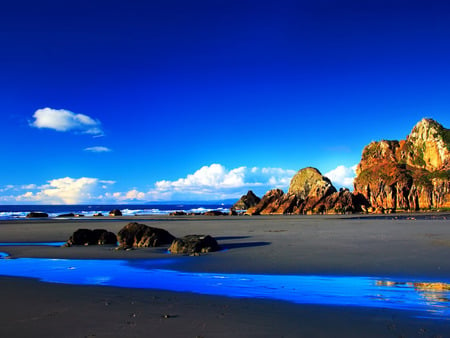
x: 91, y: 237
x: 35, y: 214
x: 115, y: 212
x: 140, y: 236
x: 107, y: 237
x: 192, y: 244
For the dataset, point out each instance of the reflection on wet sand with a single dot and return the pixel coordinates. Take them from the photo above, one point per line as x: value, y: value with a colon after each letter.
x: 429, y: 299
x: 435, y: 293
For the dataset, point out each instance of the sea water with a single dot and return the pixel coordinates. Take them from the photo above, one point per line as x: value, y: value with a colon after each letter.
x: 21, y: 211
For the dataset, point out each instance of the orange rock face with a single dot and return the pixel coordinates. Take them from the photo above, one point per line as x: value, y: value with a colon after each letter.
x: 411, y: 174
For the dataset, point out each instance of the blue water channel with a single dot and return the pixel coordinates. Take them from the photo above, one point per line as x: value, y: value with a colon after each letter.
x: 429, y: 299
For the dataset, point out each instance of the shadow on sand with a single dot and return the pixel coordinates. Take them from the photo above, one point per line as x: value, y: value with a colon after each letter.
x: 230, y: 246
x: 225, y: 238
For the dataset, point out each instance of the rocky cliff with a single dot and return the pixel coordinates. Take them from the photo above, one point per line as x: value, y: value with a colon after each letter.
x: 410, y: 174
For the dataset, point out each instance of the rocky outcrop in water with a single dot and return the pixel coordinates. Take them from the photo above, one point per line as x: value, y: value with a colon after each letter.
x: 136, y: 235
x: 410, y: 174
x: 193, y: 244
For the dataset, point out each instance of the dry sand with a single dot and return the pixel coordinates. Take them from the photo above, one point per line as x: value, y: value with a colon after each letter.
x: 324, y: 245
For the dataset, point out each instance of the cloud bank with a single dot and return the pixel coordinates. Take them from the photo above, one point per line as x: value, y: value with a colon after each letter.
x: 213, y: 182
x: 65, y: 190
x: 217, y: 181
x: 64, y: 120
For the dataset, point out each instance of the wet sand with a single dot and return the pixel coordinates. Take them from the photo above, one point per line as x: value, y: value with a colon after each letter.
x: 411, y: 249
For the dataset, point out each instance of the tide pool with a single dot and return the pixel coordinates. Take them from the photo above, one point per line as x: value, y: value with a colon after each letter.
x: 424, y: 298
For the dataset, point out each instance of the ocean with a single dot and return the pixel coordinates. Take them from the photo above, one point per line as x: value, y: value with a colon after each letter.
x: 21, y: 211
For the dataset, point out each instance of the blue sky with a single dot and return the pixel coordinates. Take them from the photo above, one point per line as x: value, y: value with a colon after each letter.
x: 136, y: 101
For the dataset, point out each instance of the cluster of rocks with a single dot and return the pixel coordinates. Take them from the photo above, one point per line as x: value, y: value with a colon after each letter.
x: 136, y: 235
x: 309, y: 192
x: 411, y: 174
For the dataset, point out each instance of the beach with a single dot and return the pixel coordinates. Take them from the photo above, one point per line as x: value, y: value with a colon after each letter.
x: 405, y: 247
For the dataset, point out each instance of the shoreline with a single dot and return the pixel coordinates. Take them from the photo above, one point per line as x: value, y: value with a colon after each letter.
x: 294, y: 245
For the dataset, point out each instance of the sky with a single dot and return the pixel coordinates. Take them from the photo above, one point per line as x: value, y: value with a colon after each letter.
x: 168, y: 100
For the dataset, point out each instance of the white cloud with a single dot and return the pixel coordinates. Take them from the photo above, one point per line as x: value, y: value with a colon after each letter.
x: 214, y: 176
x: 342, y: 176
x: 63, y: 191
x: 211, y: 182
x: 98, y: 149
x: 216, y: 181
x: 64, y: 120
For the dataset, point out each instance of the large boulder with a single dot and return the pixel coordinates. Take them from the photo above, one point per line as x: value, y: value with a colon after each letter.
x: 246, y: 201
x: 140, y: 235
x: 192, y: 244
x: 92, y: 237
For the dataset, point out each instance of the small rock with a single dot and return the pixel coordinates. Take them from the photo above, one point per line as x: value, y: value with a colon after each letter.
x: 194, y: 244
